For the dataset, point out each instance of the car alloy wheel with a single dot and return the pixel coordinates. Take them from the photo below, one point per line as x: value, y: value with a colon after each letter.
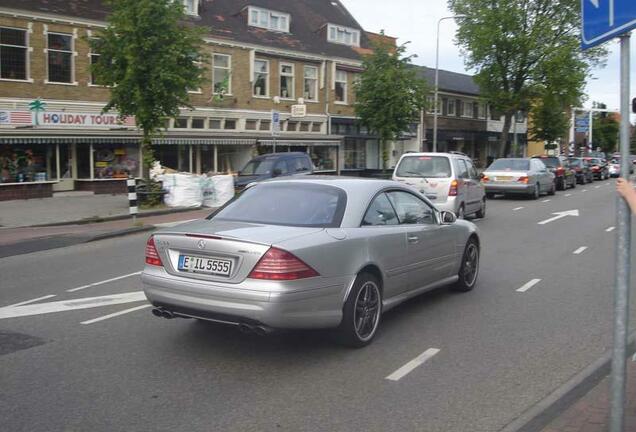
x: 469, y: 269
x: 361, y: 312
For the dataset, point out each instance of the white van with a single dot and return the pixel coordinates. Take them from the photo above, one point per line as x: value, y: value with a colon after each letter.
x: 448, y: 180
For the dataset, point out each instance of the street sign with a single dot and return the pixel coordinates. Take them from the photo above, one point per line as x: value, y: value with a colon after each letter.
x: 275, y: 122
x: 606, y: 19
x: 298, y: 111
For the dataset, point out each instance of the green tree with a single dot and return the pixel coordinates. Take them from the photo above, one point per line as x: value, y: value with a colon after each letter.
x: 515, y: 45
x: 149, y: 57
x: 605, y: 130
x: 389, y: 95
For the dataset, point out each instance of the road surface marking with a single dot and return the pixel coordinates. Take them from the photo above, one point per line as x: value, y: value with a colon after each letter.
x: 580, y: 250
x: 560, y: 215
x: 103, y: 282
x: 32, y: 301
x: 597, y: 187
x: 173, y: 224
x: 529, y: 285
x: 546, y: 201
x: 568, y: 195
x: 584, y: 190
x: 417, y: 361
x: 68, y: 305
x: 113, y: 315
x: 610, y: 229
x: 518, y: 208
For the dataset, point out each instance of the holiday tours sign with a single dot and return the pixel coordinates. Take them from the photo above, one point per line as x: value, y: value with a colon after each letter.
x: 78, y: 119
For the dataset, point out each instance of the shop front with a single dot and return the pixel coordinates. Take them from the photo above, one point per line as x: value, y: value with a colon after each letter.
x: 325, y: 154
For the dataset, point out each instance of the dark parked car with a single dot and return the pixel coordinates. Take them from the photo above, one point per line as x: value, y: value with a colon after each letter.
x: 599, y: 167
x: 582, y: 170
x: 272, y: 165
x: 564, y: 176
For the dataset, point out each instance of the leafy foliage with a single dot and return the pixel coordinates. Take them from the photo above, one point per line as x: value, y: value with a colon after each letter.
x: 605, y: 130
x: 525, y: 51
x: 389, y: 95
x: 149, y: 57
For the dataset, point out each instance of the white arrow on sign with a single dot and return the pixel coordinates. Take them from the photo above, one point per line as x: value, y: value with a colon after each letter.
x: 68, y: 305
x: 597, y: 4
x: 560, y: 215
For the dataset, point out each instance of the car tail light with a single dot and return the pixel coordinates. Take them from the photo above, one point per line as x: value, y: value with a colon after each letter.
x: 485, y: 179
x: 560, y: 171
x: 152, y: 256
x: 595, y: 168
x: 278, y: 264
x: 453, y: 188
x: 523, y: 180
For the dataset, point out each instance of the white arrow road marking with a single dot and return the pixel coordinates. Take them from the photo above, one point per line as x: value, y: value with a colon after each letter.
x: 408, y: 368
x: 68, y: 305
x: 610, y: 229
x: 103, y: 282
x: 518, y: 208
x: 529, y: 285
x: 545, y: 201
x: 568, y: 195
x: 116, y: 314
x: 32, y: 301
x: 560, y: 215
x: 580, y: 250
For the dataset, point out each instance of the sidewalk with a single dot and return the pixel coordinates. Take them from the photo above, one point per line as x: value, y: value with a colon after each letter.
x: 64, y: 208
x: 591, y: 412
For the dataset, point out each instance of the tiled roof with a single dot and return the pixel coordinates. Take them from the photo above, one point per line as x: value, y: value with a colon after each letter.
x: 452, y: 82
x: 223, y: 19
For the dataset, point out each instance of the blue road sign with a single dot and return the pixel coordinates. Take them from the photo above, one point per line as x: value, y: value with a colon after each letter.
x: 606, y: 19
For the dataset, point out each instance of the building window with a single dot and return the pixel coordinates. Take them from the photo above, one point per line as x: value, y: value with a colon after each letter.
x: 261, y: 78
x: 311, y: 83
x: 343, y: 35
x: 270, y: 20
x: 304, y: 126
x: 467, y: 109
x: 60, y: 58
x: 214, y: 124
x: 94, y: 57
x: 229, y: 124
x: 495, y: 115
x: 198, y: 123
x: 292, y: 126
x: 452, y: 107
x: 430, y: 103
x: 520, y: 117
x: 287, y: 81
x: 191, y: 7
x: 341, y: 86
x: 316, y: 127
x: 222, y: 73
x: 355, y: 153
x: 180, y: 123
x: 482, y: 110
x: 250, y: 124
x: 265, y: 125
x: 13, y: 53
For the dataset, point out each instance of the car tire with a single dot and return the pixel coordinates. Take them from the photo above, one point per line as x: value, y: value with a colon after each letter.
x: 481, y: 213
x: 469, y: 269
x: 461, y: 212
x: 552, y: 190
x: 363, y: 304
x: 561, y: 184
x: 536, y: 193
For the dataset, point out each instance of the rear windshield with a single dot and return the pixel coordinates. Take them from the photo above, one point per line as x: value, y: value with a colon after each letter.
x: 575, y: 162
x: 510, y: 165
x: 295, y: 204
x: 424, y: 166
x: 258, y: 167
x: 594, y: 161
x: 550, y: 162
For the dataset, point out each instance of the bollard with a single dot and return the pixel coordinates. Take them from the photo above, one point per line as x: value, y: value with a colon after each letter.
x: 132, y: 197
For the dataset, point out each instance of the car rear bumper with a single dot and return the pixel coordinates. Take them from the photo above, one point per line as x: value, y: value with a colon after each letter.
x: 450, y: 204
x: 519, y: 188
x: 316, y: 307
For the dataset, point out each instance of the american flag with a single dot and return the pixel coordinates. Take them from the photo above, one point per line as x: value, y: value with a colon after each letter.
x: 20, y: 117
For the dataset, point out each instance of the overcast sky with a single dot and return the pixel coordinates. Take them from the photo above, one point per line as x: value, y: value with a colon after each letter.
x: 416, y: 21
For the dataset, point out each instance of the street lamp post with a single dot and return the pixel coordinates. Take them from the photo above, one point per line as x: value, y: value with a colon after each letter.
x: 435, y: 103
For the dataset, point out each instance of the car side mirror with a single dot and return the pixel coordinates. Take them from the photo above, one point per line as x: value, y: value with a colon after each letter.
x: 448, y: 218
x: 277, y: 172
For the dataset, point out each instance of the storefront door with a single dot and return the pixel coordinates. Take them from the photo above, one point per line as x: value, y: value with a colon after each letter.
x: 67, y: 182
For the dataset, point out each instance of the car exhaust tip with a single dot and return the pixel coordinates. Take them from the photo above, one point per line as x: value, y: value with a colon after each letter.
x: 157, y: 312
x: 167, y: 314
x: 245, y: 328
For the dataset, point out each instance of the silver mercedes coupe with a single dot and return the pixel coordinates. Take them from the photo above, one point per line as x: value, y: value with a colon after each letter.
x: 312, y: 252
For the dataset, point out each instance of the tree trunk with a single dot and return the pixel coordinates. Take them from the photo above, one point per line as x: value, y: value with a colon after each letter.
x: 504, y: 142
x: 148, y: 154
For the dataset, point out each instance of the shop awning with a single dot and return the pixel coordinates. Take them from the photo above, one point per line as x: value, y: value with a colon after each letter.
x: 125, y: 140
x: 288, y: 142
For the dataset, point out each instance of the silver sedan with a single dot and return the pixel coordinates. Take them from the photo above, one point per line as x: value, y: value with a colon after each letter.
x: 310, y: 253
x: 527, y: 176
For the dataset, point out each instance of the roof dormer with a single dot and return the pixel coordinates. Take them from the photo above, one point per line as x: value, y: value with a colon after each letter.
x: 343, y: 35
x: 268, y: 19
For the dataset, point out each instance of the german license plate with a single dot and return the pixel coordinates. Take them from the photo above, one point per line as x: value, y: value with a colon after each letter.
x: 503, y: 178
x: 196, y: 264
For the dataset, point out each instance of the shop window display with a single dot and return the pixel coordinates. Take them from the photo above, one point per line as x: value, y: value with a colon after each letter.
x: 20, y: 164
x: 116, y: 161
x: 324, y: 158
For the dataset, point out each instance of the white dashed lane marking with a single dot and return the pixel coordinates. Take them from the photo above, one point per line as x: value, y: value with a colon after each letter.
x: 31, y: 301
x: 545, y: 201
x: 113, y: 315
x: 417, y: 361
x: 610, y: 229
x: 103, y: 282
x: 580, y: 250
x: 529, y: 285
x: 518, y: 208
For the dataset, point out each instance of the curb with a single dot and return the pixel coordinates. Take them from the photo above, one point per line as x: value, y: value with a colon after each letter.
x: 121, y: 233
x: 542, y: 413
x: 116, y: 217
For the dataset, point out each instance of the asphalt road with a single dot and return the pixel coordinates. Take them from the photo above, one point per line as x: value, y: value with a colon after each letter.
x: 500, y: 350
